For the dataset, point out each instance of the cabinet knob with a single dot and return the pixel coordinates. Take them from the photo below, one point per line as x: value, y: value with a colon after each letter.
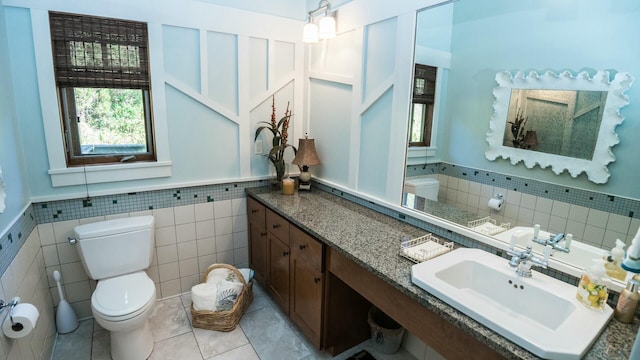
x: 263, y: 233
x: 302, y: 246
x: 316, y: 279
x: 275, y: 226
x: 253, y: 211
x: 285, y: 253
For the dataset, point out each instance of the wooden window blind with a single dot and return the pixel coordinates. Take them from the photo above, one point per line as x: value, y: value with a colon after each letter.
x: 99, y: 52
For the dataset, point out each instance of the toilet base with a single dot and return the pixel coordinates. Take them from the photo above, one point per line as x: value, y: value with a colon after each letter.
x: 132, y: 345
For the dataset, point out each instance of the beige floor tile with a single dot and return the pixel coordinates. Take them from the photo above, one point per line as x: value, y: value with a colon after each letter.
x: 213, y: 343
x: 245, y: 352
x: 183, y: 347
x: 169, y: 319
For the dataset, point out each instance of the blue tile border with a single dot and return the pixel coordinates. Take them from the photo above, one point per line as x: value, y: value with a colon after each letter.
x: 12, y: 241
x: 590, y: 199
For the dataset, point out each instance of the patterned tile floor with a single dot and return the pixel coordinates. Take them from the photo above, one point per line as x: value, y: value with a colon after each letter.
x: 264, y: 334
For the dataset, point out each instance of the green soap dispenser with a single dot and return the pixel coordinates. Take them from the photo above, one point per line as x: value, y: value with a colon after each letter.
x: 614, y: 270
x: 592, y: 288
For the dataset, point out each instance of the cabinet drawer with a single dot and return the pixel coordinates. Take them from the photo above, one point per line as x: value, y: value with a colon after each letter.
x: 255, y: 212
x: 307, y: 249
x: 278, y: 226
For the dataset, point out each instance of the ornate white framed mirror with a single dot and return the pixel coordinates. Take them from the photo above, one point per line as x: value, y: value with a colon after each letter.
x: 561, y: 121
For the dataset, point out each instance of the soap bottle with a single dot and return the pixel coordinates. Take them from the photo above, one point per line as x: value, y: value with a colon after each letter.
x: 614, y: 270
x: 627, y: 302
x: 592, y: 288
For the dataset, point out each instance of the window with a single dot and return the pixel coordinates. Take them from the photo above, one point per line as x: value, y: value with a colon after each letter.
x: 102, y: 74
x: 424, y: 89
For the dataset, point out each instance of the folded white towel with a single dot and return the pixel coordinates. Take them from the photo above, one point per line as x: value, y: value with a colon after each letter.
x: 227, y: 294
x: 221, y: 274
x: 203, y: 296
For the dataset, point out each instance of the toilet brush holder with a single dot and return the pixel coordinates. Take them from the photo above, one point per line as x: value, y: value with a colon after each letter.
x: 66, y: 319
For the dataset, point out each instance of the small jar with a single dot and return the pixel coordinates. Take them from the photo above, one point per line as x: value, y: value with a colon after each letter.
x: 627, y: 302
x: 288, y: 186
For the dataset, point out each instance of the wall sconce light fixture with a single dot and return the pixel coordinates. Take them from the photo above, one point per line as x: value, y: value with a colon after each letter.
x: 326, y: 28
x: 530, y: 139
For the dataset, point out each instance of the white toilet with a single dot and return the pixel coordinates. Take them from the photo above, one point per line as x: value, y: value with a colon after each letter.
x: 425, y: 187
x: 116, y: 253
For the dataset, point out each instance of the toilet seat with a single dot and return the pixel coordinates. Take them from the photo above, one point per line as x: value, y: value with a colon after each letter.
x: 123, y: 297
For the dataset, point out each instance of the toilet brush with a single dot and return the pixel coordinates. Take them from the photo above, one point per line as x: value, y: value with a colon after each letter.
x: 66, y: 320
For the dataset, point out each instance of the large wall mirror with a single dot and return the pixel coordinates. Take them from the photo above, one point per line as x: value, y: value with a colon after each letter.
x: 561, y: 121
x: 542, y: 52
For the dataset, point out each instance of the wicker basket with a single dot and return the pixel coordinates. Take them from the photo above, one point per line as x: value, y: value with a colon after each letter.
x: 225, y: 320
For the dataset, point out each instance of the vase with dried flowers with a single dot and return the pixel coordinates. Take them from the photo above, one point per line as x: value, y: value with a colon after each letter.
x: 279, y: 130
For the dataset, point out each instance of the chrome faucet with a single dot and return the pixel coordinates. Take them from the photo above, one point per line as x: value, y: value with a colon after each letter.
x: 554, y: 241
x: 522, y: 261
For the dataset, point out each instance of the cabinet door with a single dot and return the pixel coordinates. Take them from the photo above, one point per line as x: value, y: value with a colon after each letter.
x: 258, y: 252
x: 279, y: 271
x: 256, y: 217
x: 307, y: 284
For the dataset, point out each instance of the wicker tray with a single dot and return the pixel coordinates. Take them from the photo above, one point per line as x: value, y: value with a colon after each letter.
x: 225, y: 320
x: 424, y: 248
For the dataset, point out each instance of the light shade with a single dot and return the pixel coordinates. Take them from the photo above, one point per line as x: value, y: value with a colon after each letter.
x: 310, y: 33
x: 531, y: 139
x: 327, y: 27
x: 306, y: 154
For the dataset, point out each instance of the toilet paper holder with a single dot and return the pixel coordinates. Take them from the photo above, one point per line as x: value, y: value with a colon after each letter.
x: 11, y: 304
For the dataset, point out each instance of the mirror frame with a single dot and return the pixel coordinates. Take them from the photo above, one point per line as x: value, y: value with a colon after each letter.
x: 596, y: 168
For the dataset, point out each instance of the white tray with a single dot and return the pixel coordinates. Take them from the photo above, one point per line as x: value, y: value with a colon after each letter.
x: 424, y: 248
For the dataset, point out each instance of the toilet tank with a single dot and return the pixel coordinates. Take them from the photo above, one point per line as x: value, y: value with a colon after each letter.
x: 425, y: 187
x: 116, y: 247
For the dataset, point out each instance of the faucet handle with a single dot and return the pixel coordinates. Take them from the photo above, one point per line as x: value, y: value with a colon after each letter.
x: 512, y: 244
x: 547, y: 252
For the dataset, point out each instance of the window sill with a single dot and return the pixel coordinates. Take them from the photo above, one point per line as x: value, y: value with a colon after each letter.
x: 109, y: 173
x: 418, y: 155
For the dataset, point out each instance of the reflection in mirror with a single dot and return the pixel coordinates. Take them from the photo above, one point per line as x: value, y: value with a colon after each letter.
x: 2, y: 193
x: 556, y: 122
x: 459, y: 194
x: 572, y: 129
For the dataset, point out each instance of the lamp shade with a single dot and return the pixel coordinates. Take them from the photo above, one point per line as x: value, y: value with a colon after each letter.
x: 531, y: 138
x: 310, y: 33
x: 306, y: 154
x: 327, y: 27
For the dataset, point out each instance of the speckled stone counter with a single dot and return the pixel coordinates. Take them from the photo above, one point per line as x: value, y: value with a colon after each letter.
x: 438, y: 209
x: 372, y: 240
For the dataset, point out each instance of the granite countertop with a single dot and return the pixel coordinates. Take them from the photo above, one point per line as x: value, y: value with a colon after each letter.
x: 372, y: 240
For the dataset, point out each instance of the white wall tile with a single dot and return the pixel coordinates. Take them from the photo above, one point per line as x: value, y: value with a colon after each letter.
x: 67, y: 253
x: 525, y: 217
x: 116, y: 216
x: 513, y: 197
x: 184, y: 214
x: 186, y: 232
x: 141, y: 213
x: 223, y: 226
x: 239, y: 223
x: 168, y: 272
x: 576, y: 228
x: 597, y: 218
x: 486, y: 191
x: 205, y: 229
x: 163, y: 217
x: 188, y: 267
x: 50, y: 254
x: 47, y: 236
x: 463, y: 185
x: 204, y: 211
x: 578, y: 213
x: 240, y: 256
x: 239, y: 206
x: 167, y: 254
x: 619, y: 223
x: 205, y: 261
x: 153, y: 274
x: 187, y: 250
x: 224, y: 242
x: 561, y: 209
x: 528, y: 201
x: 610, y: 237
x: 78, y: 291
x: 64, y: 229
x: 206, y: 246
x: 240, y: 239
x: 73, y: 272
x: 593, y: 235
x: 187, y: 282
x: 165, y: 235
x: 225, y: 257
x: 222, y: 209
x: 170, y: 288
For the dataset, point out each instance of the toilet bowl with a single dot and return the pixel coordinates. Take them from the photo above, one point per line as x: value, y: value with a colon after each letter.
x: 122, y: 305
x: 115, y: 253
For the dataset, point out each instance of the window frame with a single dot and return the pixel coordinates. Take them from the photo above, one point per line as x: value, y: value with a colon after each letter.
x: 103, y: 75
x: 424, y: 92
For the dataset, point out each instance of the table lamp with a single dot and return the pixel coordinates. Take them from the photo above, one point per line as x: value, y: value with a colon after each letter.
x: 305, y: 157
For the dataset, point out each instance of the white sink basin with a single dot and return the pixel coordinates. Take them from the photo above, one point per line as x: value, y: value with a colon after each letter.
x: 580, y: 254
x: 540, y: 313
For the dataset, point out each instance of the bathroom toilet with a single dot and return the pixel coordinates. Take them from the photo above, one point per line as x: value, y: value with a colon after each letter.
x: 425, y: 187
x: 116, y: 253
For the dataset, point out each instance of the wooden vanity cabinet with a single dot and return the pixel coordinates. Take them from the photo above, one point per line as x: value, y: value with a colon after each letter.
x: 257, y: 240
x: 307, y: 284
x: 278, y: 258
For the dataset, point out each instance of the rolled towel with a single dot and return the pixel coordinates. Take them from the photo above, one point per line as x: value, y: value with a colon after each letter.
x: 221, y: 274
x: 227, y: 294
x: 203, y: 297
x: 247, y: 274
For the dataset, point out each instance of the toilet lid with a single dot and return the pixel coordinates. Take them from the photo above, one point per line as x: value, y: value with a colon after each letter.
x: 122, y: 295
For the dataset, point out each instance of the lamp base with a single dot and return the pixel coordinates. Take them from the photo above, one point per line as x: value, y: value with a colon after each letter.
x: 304, y: 185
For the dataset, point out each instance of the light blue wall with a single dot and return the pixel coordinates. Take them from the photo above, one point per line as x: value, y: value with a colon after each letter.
x: 576, y: 35
x: 11, y: 157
